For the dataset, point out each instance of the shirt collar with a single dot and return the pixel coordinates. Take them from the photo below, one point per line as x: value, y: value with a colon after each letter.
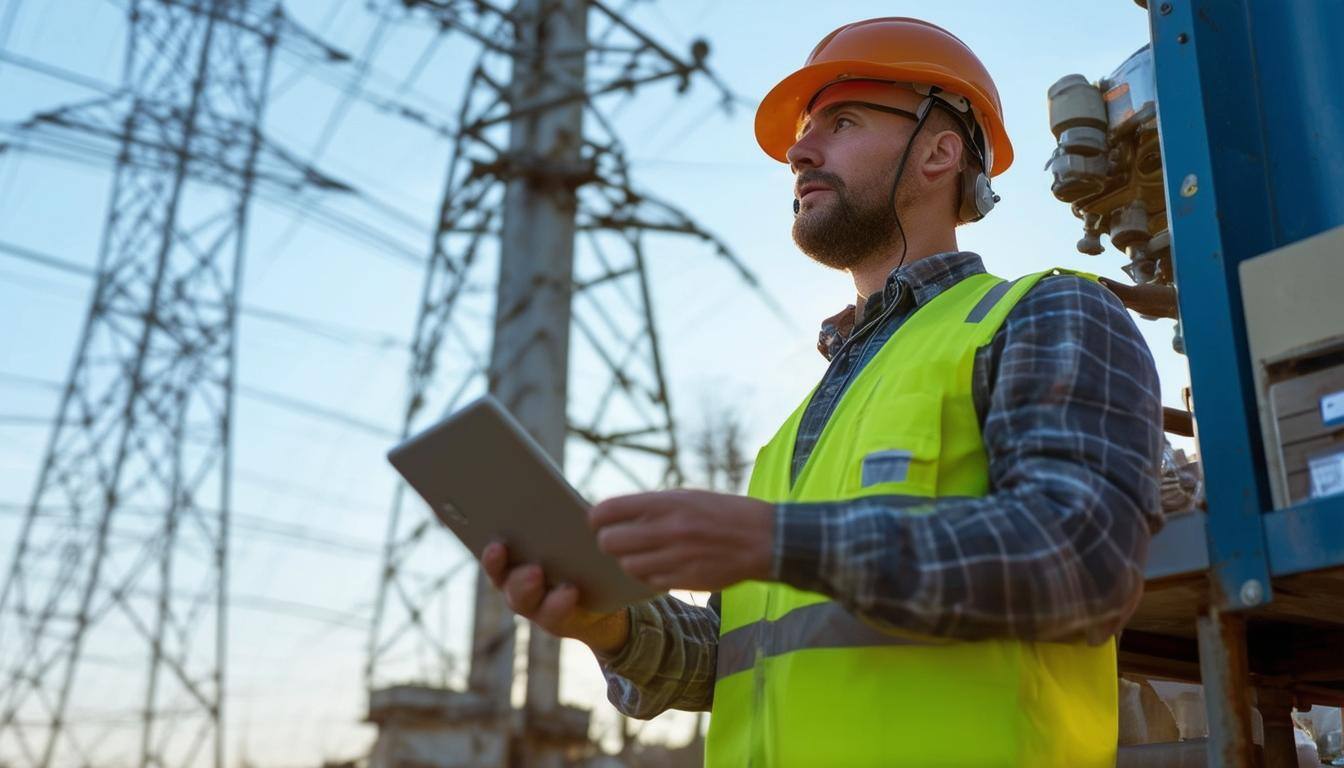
x: 926, y: 279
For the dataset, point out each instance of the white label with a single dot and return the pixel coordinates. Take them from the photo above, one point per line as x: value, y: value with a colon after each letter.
x: 1332, y: 409
x: 1327, y: 474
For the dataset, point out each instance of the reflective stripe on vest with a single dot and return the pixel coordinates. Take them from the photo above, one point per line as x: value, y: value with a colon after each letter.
x: 801, y: 681
x: 821, y: 625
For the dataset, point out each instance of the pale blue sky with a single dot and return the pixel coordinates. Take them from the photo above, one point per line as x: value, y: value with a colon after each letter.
x: 296, y: 678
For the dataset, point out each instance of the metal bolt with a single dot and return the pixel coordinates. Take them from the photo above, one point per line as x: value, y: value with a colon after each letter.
x: 1189, y: 185
x: 1182, y: 38
x: 1164, y: 9
x: 1252, y: 593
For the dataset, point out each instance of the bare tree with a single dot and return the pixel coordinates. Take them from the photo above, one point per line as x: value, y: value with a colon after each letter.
x: 719, y: 451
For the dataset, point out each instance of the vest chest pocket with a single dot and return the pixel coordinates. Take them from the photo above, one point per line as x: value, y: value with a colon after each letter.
x: 896, y: 445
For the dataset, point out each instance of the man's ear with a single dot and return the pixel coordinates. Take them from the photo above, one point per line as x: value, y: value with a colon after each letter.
x: 944, y: 154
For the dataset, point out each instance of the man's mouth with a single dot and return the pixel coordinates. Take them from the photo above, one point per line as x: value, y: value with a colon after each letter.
x: 810, y: 187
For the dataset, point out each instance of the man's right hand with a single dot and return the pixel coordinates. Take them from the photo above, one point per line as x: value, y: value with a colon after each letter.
x: 556, y: 609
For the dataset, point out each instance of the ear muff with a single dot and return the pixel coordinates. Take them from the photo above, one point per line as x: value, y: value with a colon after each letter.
x: 977, y: 198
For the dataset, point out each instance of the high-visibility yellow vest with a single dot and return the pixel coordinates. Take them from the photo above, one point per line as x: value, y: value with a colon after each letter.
x: 803, y: 682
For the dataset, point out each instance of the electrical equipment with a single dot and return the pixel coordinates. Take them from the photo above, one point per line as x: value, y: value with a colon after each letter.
x: 1108, y: 164
x: 1294, y: 302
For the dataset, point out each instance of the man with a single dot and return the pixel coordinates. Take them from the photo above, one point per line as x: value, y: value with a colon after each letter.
x: 941, y: 543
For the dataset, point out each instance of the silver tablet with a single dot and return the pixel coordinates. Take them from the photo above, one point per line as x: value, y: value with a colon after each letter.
x: 488, y: 480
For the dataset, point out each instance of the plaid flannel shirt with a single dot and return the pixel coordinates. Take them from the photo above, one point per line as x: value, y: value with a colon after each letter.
x: 1070, y: 413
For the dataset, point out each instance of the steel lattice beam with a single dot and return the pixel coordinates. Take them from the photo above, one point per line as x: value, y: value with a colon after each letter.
x: 113, y: 626
x: 621, y: 424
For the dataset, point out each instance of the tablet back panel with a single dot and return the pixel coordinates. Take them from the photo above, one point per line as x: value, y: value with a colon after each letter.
x: 488, y: 480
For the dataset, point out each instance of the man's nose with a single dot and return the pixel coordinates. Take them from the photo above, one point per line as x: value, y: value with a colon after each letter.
x: 803, y: 154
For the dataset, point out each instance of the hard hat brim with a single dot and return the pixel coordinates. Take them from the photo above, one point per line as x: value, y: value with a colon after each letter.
x: 780, y: 113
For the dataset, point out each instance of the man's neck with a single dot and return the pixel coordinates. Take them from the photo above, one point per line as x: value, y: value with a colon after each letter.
x: 871, y: 275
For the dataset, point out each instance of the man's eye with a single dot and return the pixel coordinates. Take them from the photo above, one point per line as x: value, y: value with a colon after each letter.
x: 841, y: 122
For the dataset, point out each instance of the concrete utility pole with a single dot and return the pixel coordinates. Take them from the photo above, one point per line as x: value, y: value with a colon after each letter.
x: 529, y: 360
x: 533, y: 193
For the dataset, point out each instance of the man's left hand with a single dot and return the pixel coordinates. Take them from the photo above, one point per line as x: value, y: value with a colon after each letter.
x: 686, y: 539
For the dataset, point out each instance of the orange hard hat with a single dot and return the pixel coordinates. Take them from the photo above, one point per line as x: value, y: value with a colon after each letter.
x: 892, y: 49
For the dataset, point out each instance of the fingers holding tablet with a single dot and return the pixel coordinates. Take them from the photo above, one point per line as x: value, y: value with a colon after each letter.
x: 495, y: 561
x: 554, y: 608
x: 524, y: 586
x: 687, y: 539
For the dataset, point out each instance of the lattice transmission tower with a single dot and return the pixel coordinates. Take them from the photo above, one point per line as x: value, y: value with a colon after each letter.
x: 113, y: 614
x: 539, y: 204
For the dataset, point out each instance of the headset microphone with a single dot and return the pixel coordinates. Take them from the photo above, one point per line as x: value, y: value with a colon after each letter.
x: 796, y: 206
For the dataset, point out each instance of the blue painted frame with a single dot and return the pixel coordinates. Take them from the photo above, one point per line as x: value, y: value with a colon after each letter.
x: 1252, y: 128
x: 1216, y: 198
x: 1305, y: 537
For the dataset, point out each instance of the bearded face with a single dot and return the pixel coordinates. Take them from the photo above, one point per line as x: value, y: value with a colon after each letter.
x: 840, y: 226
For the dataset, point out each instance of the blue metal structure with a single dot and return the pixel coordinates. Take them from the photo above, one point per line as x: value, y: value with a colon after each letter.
x: 1251, y: 117
x: 1215, y: 165
x: 1251, y: 114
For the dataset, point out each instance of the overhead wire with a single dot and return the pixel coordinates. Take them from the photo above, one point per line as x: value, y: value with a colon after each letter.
x: 46, y: 260
x: 318, y: 412
x: 337, y: 116
x: 324, y: 329
x: 59, y: 73
x: 22, y: 420
x: 278, y: 606
x: 349, y: 94
x: 258, y: 394
x: 257, y: 525
x: 87, y: 153
x: 7, y: 22
x: 287, y: 486
x: 75, y: 146
x: 353, y: 227
x: 279, y: 399
x: 31, y: 381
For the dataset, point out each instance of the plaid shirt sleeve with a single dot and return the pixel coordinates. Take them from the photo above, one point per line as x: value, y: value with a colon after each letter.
x: 1071, y: 416
x: 669, y: 660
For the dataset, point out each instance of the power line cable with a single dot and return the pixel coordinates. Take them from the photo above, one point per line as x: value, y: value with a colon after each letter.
x: 31, y: 381
x: 22, y: 420
x: 349, y: 93
x: 57, y: 72
x: 96, y: 155
x: 46, y: 260
x: 250, y: 524
x: 325, y: 329
x: 259, y: 394
x: 286, y: 486
x: 274, y: 605
x: 318, y: 412
x: 7, y: 22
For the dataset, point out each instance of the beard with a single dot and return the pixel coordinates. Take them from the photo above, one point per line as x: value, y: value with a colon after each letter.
x: 845, y: 231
